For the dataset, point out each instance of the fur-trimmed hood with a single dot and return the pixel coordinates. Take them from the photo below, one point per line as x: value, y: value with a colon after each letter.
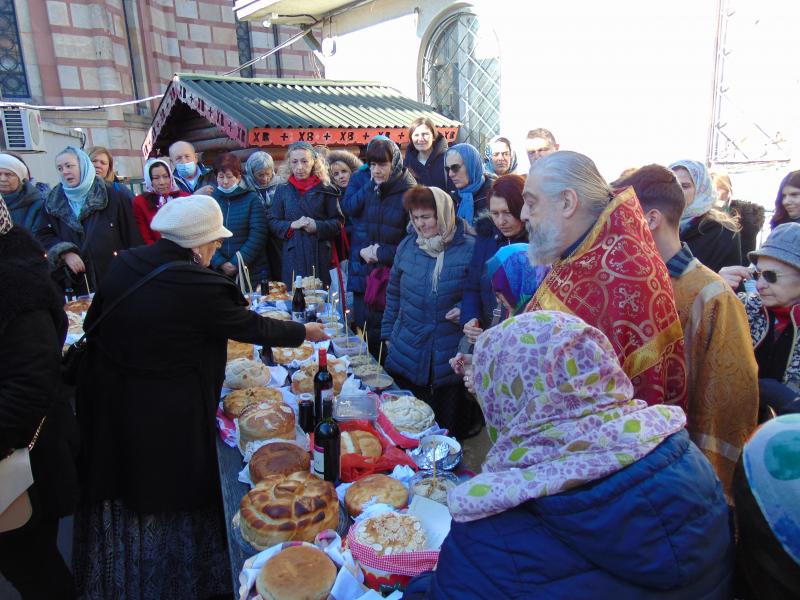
x: 58, y: 206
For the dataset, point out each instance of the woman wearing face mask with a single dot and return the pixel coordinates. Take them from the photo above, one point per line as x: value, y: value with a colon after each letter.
x: 501, y: 227
x: 104, y: 168
x: 469, y: 184
x: 305, y: 215
x: 421, y: 321
x: 787, y: 204
x: 259, y: 175
x: 244, y: 216
x: 425, y: 153
x: 712, y: 235
x: 88, y: 224
x: 380, y: 224
x: 159, y: 188
x: 774, y: 315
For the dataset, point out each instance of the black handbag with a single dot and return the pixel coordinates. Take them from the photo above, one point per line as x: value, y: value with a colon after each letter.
x: 73, y: 357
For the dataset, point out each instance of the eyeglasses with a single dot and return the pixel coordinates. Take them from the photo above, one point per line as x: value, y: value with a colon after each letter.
x: 769, y: 276
x: 453, y: 168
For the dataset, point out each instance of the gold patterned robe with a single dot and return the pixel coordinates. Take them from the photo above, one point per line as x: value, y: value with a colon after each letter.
x: 722, y: 372
x: 616, y: 281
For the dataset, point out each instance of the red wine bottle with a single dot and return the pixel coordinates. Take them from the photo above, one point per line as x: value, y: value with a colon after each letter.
x: 327, y: 445
x: 323, y: 385
x: 298, y: 301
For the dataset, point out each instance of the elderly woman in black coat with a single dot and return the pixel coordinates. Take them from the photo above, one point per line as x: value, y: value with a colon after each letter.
x: 88, y: 223
x: 152, y: 525
x: 32, y: 330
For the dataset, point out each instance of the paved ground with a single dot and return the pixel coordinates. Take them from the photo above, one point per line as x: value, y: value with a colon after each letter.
x: 475, y: 450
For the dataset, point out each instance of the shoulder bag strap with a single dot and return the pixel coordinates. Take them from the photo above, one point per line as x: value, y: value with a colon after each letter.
x: 151, y: 275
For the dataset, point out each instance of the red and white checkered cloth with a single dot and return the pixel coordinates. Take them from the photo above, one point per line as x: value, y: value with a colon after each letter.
x: 404, y: 563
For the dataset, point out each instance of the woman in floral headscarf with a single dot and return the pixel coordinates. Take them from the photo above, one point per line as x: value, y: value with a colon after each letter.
x: 159, y: 188
x: 586, y: 492
x: 712, y: 235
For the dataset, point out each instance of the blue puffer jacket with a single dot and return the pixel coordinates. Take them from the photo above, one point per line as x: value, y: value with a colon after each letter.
x: 479, y: 299
x: 27, y: 207
x: 657, y: 530
x: 378, y: 218
x: 358, y: 188
x: 243, y: 214
x: 422, y: 340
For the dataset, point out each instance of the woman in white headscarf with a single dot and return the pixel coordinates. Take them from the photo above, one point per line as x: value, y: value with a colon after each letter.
x: 159, y: 188
x: 88, y: 224
x: 712, y: 235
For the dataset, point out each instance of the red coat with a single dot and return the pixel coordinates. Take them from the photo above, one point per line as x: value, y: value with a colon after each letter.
x: 144, y: 211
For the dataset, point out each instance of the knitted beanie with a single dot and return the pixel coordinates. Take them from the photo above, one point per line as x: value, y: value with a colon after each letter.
x: 190, y: 221
x: 14, y: 165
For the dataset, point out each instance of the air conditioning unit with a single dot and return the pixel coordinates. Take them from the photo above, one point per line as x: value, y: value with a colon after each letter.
x: 22, y: 129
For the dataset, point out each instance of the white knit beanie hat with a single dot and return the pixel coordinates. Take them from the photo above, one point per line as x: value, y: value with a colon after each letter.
x: 190, y: 221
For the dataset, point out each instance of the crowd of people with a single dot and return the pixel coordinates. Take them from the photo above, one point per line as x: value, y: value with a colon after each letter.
x: 632, y: 353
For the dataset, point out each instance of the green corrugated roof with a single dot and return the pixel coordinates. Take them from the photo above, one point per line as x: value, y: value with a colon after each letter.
x: 301, y: 103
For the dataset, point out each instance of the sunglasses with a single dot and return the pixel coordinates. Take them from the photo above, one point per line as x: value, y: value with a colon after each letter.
x: 453, y: 168
x: 769, y: 276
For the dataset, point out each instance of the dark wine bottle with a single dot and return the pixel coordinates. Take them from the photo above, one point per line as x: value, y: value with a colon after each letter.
x: 298, y: 301
x: 323, y: 385
x: 327, y: 445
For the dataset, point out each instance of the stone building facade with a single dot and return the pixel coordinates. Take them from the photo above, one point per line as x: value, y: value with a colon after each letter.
x: 90, y: 52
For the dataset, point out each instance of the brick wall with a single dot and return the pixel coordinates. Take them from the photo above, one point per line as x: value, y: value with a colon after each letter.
x: 82, y: 52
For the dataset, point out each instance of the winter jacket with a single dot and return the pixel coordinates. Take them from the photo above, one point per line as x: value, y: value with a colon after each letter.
x: 712, y: 244
x: 777, y: 359
x: 26, y: 206
x: 479, y: 299
x: 207, y: 177
x: 353, y: 200
x: 422, y: 340
x: 480, y: 201
x: 657, y: 530
x: 302, y: 250
x: 381, y: 220
x: 33, y: 326
x: 244, y: 215
x: 144, y: 209
x: 150, y: 385
x: 432, y: 172
x: 104, y: 228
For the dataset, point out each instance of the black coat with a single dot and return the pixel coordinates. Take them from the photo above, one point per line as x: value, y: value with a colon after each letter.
x: 432, y: 172
x: 712, y: 244
x: 148, y: 392
x: 25, y: 207
x: 105, y: 228
x: 33, y: 326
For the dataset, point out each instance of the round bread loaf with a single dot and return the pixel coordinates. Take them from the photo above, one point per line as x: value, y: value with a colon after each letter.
x: 297, y: 573
x: 284, y: 356
x: 78, y: 306
x: 408, y: 414
x: 303, y: 378
x: 360, y: 442
x: 266, y: 421
x: 243, y: 373
x: 277, y: 287
x: 239, y: 350
x: 383, y: 488
x: 235, y: 402
x: 278, y: 458
x: 278, y: 315
x: 390, y: 533
x: 288, y: 508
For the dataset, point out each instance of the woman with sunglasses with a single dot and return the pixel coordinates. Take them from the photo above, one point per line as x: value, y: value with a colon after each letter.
x: 774, y: 314
x: 464, y: 167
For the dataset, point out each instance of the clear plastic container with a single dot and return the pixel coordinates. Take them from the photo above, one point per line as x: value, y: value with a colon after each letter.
x: 349, y: 407
x: 424, y: 484
x: 349, y: 344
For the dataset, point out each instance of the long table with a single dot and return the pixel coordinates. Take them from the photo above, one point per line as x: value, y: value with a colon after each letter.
x: 229, y: 461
